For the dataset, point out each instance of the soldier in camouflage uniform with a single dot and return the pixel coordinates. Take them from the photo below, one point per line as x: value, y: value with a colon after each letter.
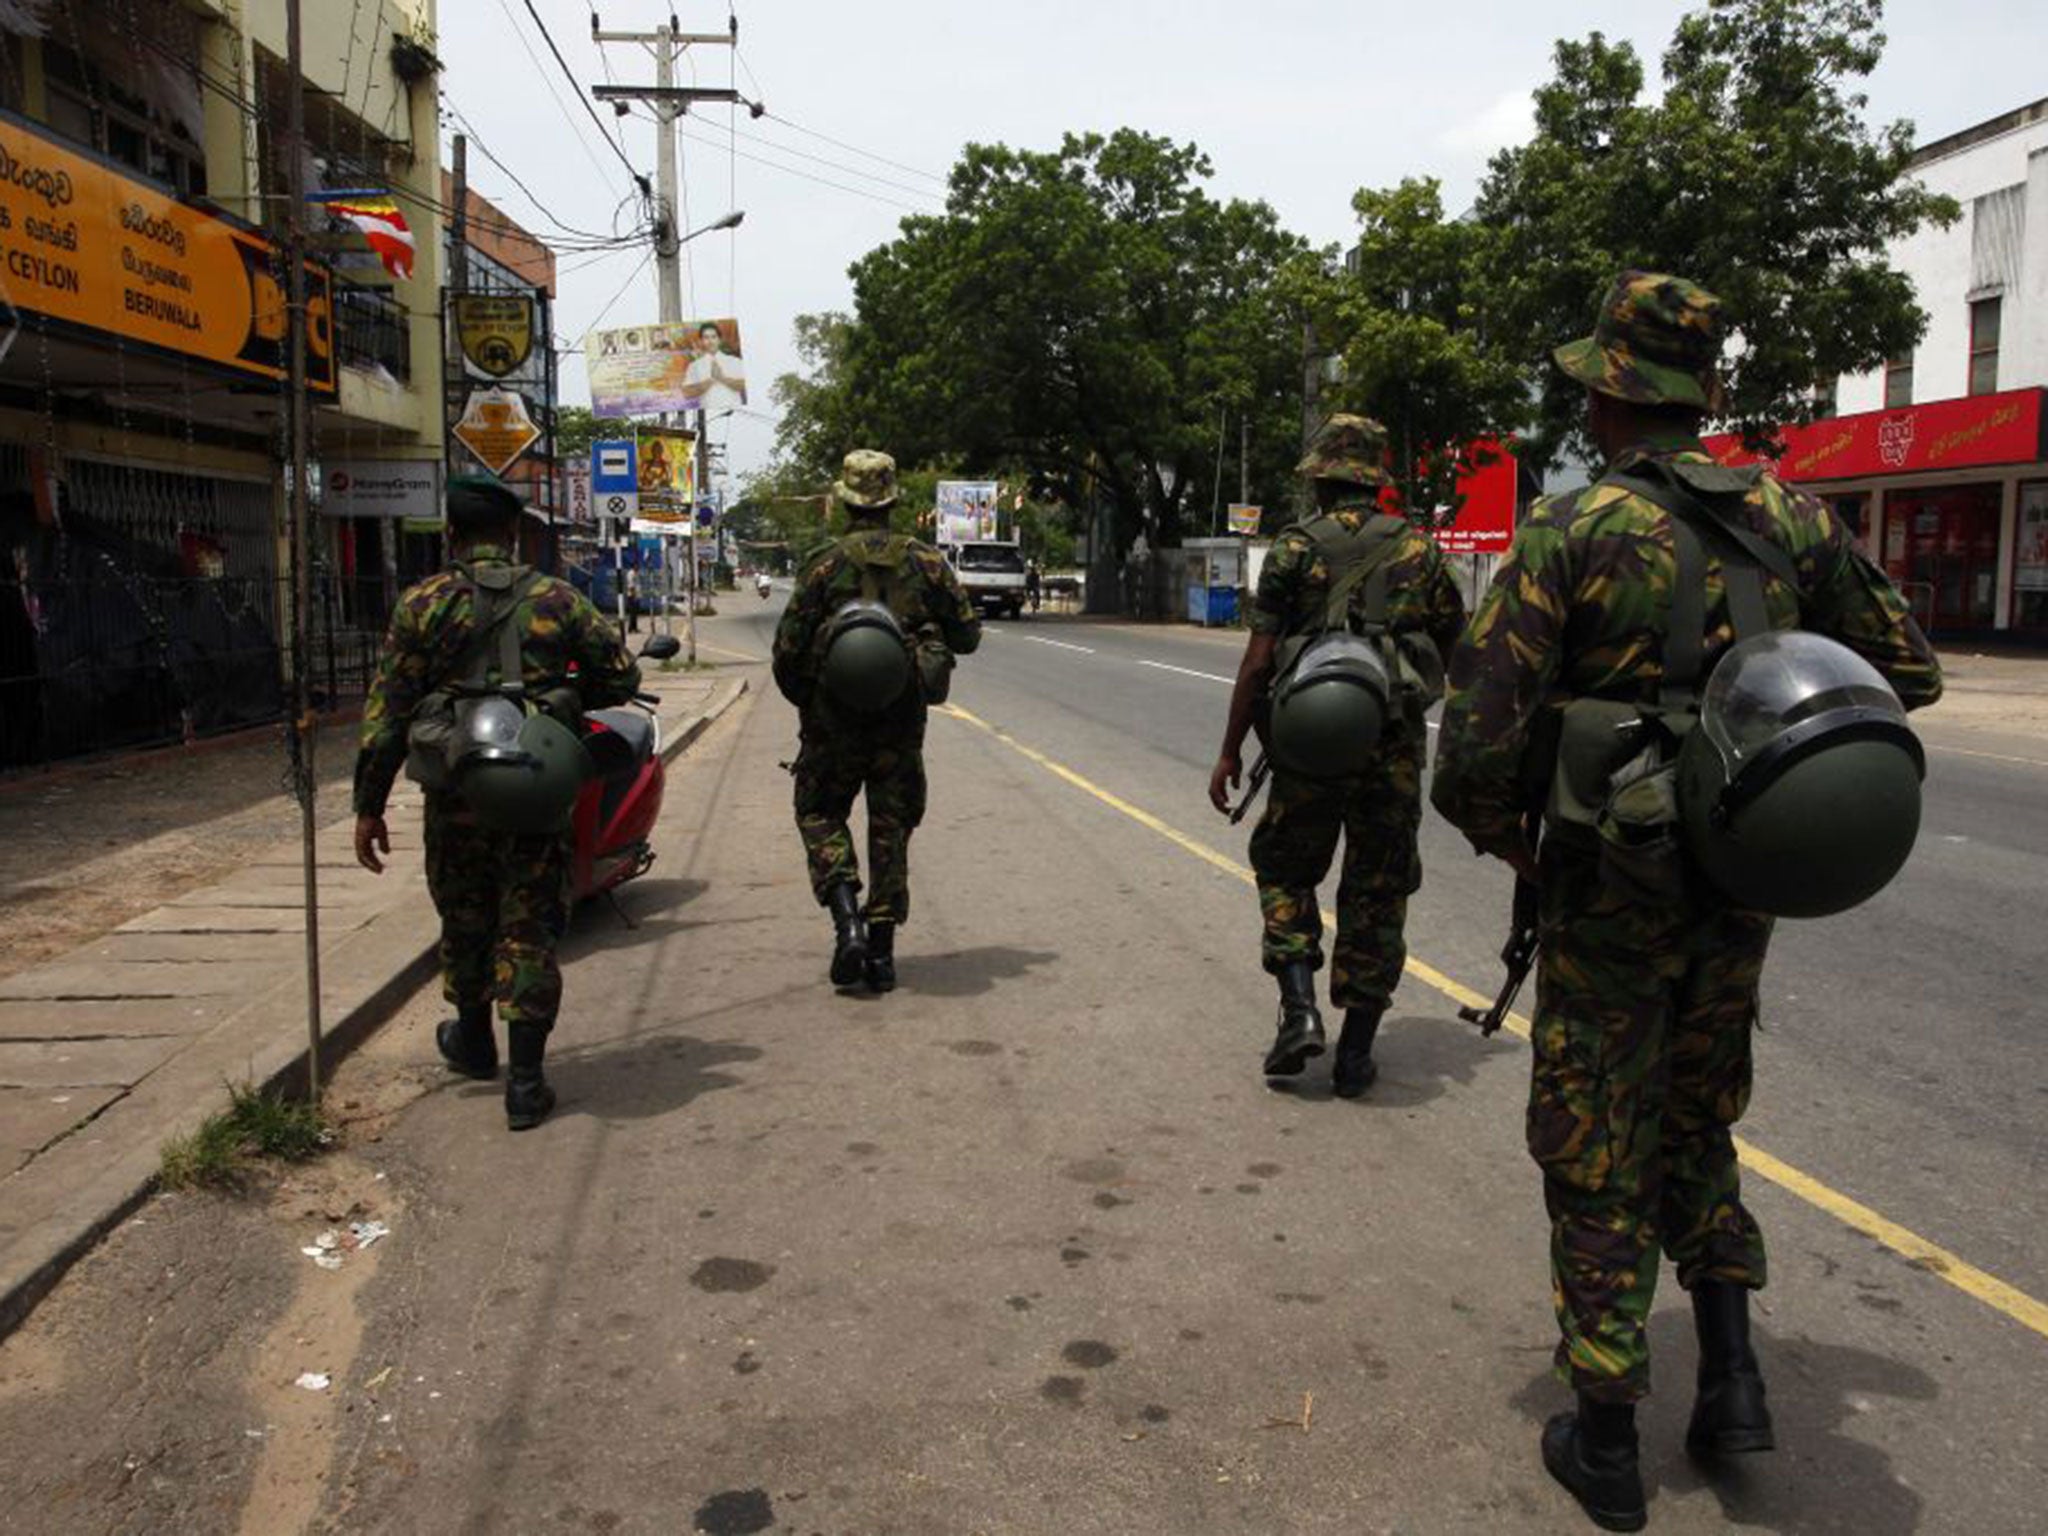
x: 844, y: 751
x: 1378, y: 815
x: 1644, y: 1012
x: 503, y: 899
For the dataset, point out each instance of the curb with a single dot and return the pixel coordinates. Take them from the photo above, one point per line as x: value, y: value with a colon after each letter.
x: 58, y: 1242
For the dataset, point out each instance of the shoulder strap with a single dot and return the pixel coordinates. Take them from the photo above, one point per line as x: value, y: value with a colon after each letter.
x: 1744, y: 559
x: 493, y: 658
x: 1653, y: 485
x: 878, y: 568
x: 1362, y: 556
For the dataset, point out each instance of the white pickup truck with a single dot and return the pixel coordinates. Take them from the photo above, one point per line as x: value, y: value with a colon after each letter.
x: 992, y: 574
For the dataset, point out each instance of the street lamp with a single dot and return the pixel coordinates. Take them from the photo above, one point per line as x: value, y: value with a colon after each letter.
x: 730, y: 221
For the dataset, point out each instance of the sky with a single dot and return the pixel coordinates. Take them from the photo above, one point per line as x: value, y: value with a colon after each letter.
x: 1296, y: 102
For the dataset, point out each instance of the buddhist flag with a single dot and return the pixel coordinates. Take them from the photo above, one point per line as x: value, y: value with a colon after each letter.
x: 377, y: 216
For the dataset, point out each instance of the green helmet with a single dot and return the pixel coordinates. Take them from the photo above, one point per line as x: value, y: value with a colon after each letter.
x: 1799, y: 788
x: 867, y: 660
x: 517, y: 772
x: 1329, y: 708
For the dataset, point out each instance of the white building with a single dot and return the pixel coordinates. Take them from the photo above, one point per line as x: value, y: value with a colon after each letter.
x: 1941, y: 458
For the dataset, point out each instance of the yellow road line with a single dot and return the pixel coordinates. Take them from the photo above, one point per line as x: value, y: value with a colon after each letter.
x: 706, y: 645
x: 1990, y: 757
x: 1965, y: 1277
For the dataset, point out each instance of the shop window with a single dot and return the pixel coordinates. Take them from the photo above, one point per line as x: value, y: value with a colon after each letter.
x: 1827, y: 399
x: 1898, y: 382
x: 1985, y: 316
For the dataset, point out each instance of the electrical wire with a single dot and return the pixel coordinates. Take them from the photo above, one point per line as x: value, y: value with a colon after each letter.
x: 612, y: 303
x: 570, y: 75
x: 485, y: 150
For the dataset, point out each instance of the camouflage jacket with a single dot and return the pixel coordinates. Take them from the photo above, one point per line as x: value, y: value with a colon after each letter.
x: 561, y: 632
x: 1579, y: 608
x: 926, y: 599
x: 1295, y: 582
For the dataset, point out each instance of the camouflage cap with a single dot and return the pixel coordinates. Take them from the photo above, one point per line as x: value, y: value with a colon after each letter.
x: 1345, y: 447
x: 867, y: 480
x: 1658, y: 342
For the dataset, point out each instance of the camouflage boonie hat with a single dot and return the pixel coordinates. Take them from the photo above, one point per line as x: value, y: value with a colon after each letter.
x: 1352, y: 448
x: 1658, y: 342
x: 867, y: 479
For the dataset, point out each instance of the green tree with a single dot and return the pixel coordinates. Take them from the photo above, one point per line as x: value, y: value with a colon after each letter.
x: 1403, y: 315
x: 1754, y: 174
x: 576, y: 428
x: 1083, y: 314
x: 817, y: 427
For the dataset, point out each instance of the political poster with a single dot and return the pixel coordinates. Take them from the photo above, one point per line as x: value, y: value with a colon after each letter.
x: 668, y: 475
x: 967, y: 511
x: 643, y: 370
x: 1244, y: 518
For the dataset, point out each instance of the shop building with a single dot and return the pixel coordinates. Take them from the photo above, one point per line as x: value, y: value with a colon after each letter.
x: 1940, y: 459
x: 143, y: 572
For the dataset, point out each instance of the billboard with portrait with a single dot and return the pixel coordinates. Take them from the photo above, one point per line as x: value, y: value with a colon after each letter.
x: 643, y: 370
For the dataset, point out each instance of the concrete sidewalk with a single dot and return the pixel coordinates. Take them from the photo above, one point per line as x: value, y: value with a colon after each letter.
x: 109, y: 1051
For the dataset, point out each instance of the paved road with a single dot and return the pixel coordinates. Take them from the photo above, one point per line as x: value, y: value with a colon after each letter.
x: 1028, y: 1248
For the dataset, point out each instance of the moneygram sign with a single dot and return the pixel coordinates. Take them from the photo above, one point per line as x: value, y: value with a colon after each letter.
x: 84, y: 245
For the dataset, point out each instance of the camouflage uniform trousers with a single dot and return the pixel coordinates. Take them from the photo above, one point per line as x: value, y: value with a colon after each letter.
x: 1291, y: 850
x: 1641, y: 1067
x: 504, y: 904
x: 832, y: 769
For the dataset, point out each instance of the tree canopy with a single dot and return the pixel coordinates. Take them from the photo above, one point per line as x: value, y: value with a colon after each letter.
x: 1754, y: 174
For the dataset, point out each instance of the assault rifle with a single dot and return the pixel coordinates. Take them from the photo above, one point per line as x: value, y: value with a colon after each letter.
x: 1262, y: 770
x: 1518, y: 955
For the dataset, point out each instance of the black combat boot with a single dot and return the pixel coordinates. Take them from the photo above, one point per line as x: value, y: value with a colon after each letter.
x: 528, y: 1098
x: 881, y: 966
x: 1729, y: 1415
x: 849, y: 934
x: 1354, y: 1070
x: 1300, y: 1035
x: 1593, y: 1453
x: 468, y: 1043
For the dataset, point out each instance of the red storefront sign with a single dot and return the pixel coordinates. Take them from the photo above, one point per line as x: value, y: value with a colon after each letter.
x: 1485, y: 524
x: 1979, y: 430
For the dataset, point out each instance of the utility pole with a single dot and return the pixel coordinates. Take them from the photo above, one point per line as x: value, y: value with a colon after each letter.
x: 1244, y: 458
x: 671, y: 101
x: 303, y: 735
x: 453, y: 375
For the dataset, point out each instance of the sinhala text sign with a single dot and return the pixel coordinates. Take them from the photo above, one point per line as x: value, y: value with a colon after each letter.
x: 642, y: 370
x: 83, y: 244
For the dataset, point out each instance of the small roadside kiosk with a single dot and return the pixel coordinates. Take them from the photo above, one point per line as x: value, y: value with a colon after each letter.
x: 1215, y: 572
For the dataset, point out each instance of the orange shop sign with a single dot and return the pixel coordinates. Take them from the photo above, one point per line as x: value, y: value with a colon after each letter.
x: 86, y: 245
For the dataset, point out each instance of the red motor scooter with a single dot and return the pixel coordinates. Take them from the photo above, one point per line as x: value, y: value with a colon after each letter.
x: 616, y: 809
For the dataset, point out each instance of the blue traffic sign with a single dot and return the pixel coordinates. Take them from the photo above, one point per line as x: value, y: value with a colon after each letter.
x: 614, y: 466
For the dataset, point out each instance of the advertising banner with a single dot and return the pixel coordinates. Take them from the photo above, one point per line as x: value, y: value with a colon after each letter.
x: 1485, y: 524
x: 401, y: 488
x: 85, y: 245
x: 966, y: 511
x: 642, y: 370
x: 1245, y: 518
x: 668, y: 475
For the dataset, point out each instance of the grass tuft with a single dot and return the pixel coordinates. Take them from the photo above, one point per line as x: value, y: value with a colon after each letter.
x: 256, y: 1127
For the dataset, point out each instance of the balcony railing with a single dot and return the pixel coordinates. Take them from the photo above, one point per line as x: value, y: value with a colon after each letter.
x: 371, y: 331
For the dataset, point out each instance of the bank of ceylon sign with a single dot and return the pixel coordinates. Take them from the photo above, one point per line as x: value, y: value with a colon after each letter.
x: 85, y: 245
